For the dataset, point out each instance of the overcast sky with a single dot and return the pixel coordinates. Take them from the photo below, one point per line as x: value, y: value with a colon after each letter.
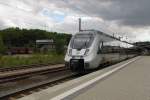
x: 129, y: 18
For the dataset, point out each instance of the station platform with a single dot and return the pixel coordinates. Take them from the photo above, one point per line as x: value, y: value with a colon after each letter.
x: 128, y: 80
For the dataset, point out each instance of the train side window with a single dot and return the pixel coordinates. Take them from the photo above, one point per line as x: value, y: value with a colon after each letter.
x: 107, y: 47
x: 100, y: 47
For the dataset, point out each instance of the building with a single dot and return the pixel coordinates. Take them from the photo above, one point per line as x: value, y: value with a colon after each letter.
x: 45, y: 45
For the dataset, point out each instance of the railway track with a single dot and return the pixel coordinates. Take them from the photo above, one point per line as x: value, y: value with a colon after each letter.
x: 19, y: 85
x: 18, y: 76
x: 15, y: 68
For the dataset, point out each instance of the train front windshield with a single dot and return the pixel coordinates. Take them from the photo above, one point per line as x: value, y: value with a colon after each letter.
x: 82, y: 41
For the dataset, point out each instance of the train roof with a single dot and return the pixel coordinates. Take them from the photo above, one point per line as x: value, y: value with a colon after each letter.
x: 104, y: 36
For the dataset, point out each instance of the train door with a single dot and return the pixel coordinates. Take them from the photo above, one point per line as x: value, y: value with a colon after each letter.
x: 100, y: 55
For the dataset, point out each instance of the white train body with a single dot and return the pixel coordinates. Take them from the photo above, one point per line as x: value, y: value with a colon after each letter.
x: 90, y: 48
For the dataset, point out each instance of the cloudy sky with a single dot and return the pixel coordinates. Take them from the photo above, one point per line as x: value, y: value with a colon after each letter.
x: 123, y: 17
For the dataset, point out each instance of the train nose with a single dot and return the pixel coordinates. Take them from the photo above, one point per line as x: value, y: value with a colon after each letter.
x: 77, y: 65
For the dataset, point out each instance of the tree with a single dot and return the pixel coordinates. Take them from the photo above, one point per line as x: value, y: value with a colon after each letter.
x: 60, y: 43
x: 15, y: 37
x: 2, y: 47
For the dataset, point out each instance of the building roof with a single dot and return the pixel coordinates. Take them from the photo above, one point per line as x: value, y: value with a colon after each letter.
x: 45, y: 41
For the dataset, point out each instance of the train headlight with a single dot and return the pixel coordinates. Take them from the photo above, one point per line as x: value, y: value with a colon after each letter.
x: 70, y: 52
x: 86, y: 52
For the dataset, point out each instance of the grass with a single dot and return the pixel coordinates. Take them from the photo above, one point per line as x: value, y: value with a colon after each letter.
x: 19, y: 60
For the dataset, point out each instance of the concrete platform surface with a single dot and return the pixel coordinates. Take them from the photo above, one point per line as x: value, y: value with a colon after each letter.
x: 128, y: 80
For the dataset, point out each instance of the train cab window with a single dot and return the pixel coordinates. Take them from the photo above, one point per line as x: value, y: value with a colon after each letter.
x: 82, y: 41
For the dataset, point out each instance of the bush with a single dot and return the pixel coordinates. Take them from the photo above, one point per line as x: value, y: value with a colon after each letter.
x: 19, y: 60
